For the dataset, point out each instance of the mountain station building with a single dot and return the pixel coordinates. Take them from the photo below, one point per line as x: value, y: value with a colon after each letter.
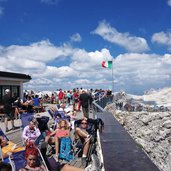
x: 13, y: 82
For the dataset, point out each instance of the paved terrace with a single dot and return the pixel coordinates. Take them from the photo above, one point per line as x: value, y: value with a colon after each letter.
x: 15, y: 136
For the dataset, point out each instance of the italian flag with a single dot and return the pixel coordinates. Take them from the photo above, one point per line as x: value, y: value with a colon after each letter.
x: 107, y: 64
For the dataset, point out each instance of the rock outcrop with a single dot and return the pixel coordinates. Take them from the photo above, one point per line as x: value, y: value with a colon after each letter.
x: 151, y: 131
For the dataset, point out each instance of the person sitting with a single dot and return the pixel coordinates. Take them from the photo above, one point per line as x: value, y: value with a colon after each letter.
x: 29, y: 104
x: 55, y: 165
x: 18, y: 106
x: 62, y: 108
x: 61, y: 131
x: 31, y: 156
x: 82, y: 135
x: 31, y: 132
x: 8, y: 147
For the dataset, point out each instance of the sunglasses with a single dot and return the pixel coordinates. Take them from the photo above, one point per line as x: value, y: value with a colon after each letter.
x: 85, y: 123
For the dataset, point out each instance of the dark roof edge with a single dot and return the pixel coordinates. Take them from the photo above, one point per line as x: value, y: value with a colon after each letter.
x: 14, y: 75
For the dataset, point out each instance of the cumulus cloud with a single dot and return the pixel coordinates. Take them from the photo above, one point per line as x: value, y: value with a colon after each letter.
x: 40, y: 51
x: 133, y: 72
x: 163, y: 38
x: 169, y: 2
x: 76, y: 38
x: 143, y: 71
x: 130, y: 43
x: 88, y: 61
x: 42, y: 60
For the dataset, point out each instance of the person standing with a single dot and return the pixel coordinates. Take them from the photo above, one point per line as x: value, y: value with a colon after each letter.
x: 85, y: 99
x: 61, y: 96
x: 8, y: 109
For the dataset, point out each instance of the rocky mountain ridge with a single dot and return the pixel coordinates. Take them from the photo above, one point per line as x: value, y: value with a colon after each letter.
x: 151, y: 130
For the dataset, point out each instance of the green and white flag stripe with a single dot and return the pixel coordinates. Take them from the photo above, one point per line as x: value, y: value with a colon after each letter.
x: 107, y: 64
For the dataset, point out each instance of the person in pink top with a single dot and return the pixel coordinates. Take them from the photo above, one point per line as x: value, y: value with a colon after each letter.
x: 61, y: 131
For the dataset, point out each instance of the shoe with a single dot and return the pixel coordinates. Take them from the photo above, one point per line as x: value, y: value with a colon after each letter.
x: 84, y: 162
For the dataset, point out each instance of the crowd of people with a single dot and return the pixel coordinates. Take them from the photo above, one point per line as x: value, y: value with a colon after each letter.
x: 81, y: 100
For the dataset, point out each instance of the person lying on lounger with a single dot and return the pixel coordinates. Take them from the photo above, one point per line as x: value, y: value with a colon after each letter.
x: 31, y: 155
x: 61, y: 131
x: 31, y: 132
x: 82, y: 135
x: 8, y: 147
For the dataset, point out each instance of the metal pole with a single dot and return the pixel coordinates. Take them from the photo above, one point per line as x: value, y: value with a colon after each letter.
x: 113, y: 81
x: 112, y: 78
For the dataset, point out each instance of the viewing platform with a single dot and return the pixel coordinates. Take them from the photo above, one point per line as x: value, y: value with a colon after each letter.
x: 120, y: 152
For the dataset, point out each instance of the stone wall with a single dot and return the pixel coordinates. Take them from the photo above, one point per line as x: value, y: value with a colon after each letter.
x: 151, y: 131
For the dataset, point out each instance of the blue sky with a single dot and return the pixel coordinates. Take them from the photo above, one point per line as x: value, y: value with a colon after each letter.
x: 61, y: 43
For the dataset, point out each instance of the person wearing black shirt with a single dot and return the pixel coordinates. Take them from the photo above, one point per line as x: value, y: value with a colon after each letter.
x: 8, y: 109
x: 85, y: 100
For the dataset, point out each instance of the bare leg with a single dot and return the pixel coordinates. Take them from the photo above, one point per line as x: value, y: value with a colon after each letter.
x: 16, y: 113
x: 80, y: 133
x: 56, y: 145
x: 6, y: 123
x: 71, y: 168
x: 86, y: 147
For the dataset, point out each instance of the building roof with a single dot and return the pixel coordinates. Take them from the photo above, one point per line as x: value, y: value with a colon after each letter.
x: 15, y: 75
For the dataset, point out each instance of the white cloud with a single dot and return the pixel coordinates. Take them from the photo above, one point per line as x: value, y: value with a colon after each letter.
x: 88, y: 61
x: 34, y: 60
x: 132, y: 71
x: 76, y: 38
x: 43, y: 51
x: 131, y: 43
x: 163, y: 38
x: 169, y: 2
x: 142, y: 71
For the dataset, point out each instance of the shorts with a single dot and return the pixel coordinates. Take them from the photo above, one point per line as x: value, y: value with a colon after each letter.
x: 53, y: 165
x: 59, y: 166
x: 9, y: 116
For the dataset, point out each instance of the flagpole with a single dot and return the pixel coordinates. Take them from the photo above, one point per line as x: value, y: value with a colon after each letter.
x: 112, y: 78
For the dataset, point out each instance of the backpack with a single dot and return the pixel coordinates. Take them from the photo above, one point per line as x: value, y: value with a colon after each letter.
x: 65, y: 149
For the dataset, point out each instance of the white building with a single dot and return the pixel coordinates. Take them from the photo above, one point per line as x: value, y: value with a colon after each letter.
x: 14, y: 82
